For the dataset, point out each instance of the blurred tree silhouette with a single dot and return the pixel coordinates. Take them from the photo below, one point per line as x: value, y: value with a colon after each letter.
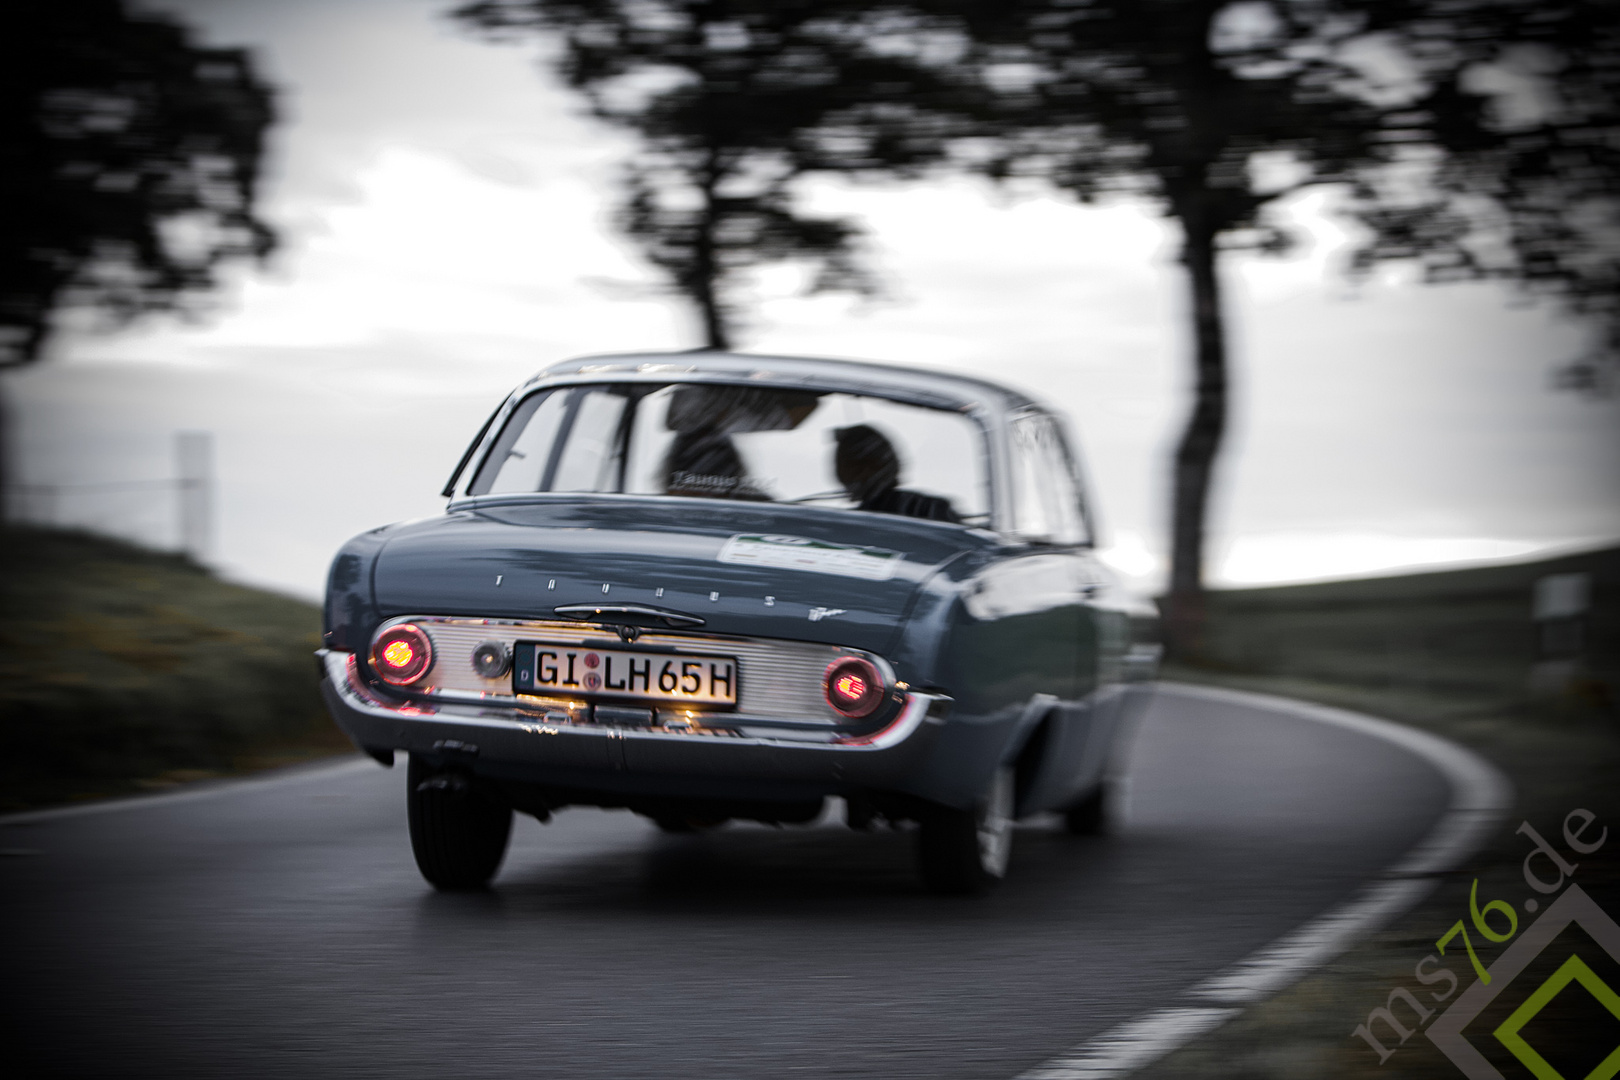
x: 128, y: 163
x: 1478, y: 137
x: 1179, y: 102
x: 1504, y: 118
x: 731, y: 102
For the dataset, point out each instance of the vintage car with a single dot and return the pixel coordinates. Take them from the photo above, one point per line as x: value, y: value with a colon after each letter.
x: 708, y: 586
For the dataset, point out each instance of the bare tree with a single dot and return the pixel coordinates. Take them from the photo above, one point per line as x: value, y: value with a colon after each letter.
x: 1173, y: 102
x: 731, y: 103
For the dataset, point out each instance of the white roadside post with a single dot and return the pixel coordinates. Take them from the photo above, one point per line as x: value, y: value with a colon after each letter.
x: 194, y: 461
x: 1558, y: 612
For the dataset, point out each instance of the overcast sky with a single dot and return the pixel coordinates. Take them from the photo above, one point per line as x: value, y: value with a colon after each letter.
x: 444, y: 206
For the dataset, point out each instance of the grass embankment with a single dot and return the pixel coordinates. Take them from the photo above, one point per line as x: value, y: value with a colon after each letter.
x: 1452, y: 653
x: 124, y: 670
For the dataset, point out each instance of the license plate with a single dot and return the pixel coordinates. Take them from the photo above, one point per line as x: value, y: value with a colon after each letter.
x: 674, y: 678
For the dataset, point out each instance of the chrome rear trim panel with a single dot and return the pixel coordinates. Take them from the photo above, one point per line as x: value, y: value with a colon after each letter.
x: 776, y: 679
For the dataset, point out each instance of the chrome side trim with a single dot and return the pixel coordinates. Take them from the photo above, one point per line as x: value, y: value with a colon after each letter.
x: 910, y: 718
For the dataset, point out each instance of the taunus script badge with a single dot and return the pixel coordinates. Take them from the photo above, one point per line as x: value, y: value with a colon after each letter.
x: 819, y: 613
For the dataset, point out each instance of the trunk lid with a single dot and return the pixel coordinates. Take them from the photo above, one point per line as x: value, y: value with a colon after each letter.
x: 796, y: 572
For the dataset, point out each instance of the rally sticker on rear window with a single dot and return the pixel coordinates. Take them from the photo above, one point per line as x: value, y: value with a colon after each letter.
x: 802, y: 553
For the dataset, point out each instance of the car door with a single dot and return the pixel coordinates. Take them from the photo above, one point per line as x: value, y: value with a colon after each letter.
x: 1013, y: 659
x: 1104, y: 642
x: 1049, y: 513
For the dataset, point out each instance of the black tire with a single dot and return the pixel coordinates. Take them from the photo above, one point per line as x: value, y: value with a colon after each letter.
x: 1089, y: 816
x: 965, y: 852
x: 458, y: 831
x: 685, y: 823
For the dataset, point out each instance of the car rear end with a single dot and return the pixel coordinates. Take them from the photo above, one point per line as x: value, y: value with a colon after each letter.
x: 660, y: 591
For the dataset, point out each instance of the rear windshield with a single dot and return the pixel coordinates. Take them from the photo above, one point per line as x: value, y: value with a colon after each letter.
x: 749, y: 443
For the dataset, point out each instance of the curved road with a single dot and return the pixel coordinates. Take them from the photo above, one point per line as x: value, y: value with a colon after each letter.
x: 281, y: 930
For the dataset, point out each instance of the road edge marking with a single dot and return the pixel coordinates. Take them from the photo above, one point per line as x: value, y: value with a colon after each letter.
x: 200, y: 789
x: 1481, y: 796
x: 1134, y: 1043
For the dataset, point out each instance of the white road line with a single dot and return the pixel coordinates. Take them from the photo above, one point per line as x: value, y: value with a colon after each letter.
x: 202, y: 789
x: 1481, y: 796
x: 1273, y: 967
x: 1131, y: 1045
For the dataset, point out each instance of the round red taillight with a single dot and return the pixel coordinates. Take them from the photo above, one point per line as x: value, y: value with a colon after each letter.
x: 854, y: 687
x: 401, y: 654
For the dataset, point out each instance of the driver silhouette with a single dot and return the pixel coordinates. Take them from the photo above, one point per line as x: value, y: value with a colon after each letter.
x: 869, y: 469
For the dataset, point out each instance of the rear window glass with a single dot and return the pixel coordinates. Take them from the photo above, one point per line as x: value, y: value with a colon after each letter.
x: 748, y: 443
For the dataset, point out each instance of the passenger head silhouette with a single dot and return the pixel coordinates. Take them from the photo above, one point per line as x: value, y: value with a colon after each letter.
x: 865, y: 462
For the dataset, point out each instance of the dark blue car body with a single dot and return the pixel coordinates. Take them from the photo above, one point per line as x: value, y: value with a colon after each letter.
x: 1002, y: 656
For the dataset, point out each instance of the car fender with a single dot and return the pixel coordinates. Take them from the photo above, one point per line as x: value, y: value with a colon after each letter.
x: 350, y: 611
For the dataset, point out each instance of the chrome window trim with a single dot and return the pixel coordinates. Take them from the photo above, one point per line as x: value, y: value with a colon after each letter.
x: 478, y: 502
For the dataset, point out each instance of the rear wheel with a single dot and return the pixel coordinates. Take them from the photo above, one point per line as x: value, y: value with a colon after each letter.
x: 683, y: 824
x: 458, y: 832
x: 967, y: 851
x: 1089, y: 816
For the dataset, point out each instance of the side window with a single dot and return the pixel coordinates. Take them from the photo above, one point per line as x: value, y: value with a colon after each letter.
x: 518, y: 458
x: 1030, y: 518
x: 590, y: 452
x: 566, y: 440
x: 1046, y: 501
x: 1065, y: 491
x: 650, y: 441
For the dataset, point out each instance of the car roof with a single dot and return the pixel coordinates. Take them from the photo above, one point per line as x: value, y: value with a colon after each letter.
x: 887, y: 380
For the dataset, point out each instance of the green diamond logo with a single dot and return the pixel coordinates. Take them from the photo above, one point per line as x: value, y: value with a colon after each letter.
x: 1572, y: 970
x: 1573, y: 907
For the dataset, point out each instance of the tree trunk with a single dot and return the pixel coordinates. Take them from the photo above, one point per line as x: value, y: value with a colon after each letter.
x: 705, y: 275
x: 715, y: 335
x: 1200, y: 442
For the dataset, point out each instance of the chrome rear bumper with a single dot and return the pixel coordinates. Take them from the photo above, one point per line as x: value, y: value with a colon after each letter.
x: 510, y: 743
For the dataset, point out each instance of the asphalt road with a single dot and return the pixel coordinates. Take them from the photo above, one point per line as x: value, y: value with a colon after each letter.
x: 282, y: 930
